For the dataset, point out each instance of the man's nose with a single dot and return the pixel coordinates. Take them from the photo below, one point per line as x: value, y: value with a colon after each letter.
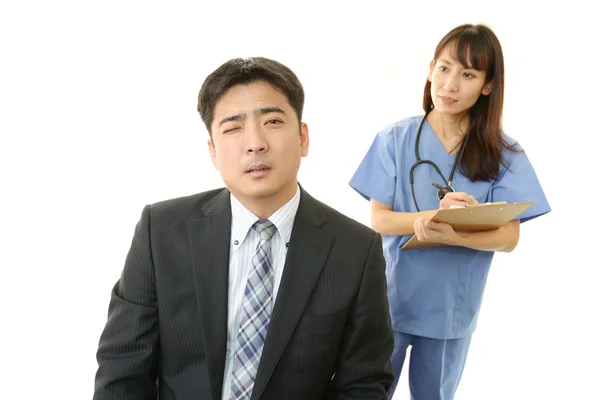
x: 255, y: 139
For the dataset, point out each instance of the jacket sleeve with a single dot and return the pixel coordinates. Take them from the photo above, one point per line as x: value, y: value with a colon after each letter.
x: 363, y: 368
x: 128, y: 349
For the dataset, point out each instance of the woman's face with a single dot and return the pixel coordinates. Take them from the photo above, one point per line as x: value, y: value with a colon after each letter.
x: 455, y: 88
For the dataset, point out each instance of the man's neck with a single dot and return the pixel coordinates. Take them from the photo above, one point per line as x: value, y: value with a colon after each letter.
x: 264, y: 207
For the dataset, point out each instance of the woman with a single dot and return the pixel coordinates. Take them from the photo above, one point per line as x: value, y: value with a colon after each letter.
x: 456, y: 154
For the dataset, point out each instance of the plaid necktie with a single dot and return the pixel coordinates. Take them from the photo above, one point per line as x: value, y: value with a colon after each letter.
x: 256, y: 314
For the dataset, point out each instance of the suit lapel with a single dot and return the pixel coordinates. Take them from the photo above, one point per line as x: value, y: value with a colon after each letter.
x: 209, y: 244
x: 308, y: 250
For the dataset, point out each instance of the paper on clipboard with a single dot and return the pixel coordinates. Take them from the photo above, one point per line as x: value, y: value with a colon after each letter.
x: 474, y: 218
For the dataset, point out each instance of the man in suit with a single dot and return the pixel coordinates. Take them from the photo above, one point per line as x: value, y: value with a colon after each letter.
x: 253, y: 291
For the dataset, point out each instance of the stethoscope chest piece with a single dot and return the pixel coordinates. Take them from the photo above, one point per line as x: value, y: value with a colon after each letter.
x: 442, y: 190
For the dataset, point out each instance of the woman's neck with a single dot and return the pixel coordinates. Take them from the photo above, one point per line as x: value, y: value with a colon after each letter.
x: 449, y: 127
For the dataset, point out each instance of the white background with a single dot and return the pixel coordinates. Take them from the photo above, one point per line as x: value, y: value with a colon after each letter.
x: 98, y: 118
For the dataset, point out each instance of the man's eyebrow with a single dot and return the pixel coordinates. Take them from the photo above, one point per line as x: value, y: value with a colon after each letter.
x: 258, y: 112
x: 270, y: 109
x: 235, y: 117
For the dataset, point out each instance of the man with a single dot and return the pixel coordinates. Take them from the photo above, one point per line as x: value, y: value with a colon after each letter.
x: 256, y: 290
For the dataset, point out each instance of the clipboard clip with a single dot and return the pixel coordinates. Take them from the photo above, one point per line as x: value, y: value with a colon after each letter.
x: 494, y: 203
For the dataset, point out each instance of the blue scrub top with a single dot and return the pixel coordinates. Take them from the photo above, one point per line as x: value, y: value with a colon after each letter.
x: 436, y: 292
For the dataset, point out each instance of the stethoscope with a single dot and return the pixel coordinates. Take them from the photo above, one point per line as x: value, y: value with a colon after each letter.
x: 442, y: 190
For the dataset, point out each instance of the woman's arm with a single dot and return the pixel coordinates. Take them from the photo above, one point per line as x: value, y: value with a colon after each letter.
x: 394, y: 223
x: 398, y: 223
x: 503, y: 239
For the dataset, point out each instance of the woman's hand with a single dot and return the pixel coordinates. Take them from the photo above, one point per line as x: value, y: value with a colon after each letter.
x: 435, y: 232
x: 457, y: 199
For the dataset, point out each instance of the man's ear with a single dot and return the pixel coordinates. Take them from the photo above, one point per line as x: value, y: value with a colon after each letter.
x: 304, y: 140
x: 213, y: 153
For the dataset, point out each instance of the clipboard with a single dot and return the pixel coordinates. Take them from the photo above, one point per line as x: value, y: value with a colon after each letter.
x: 473, y: 218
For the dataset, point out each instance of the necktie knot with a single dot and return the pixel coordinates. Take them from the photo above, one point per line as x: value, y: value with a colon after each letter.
x: 265, y: 229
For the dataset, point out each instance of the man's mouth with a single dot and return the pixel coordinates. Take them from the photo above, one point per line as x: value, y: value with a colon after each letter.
x: 257, y: 168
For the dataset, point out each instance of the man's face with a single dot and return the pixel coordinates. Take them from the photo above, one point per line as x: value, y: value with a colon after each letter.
x: 257, y: 143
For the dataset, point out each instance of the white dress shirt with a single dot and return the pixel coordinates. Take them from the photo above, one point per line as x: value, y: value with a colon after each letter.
x: 243, y: 245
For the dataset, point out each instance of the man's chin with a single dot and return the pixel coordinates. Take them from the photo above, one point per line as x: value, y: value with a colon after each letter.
x: 260, y: 193
x: 255, y: 191
x: 263, y: 191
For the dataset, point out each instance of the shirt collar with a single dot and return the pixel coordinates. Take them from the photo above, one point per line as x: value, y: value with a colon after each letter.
x: 243, y: 219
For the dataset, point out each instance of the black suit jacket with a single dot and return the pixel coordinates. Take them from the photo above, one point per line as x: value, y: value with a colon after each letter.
x: 329, y: 337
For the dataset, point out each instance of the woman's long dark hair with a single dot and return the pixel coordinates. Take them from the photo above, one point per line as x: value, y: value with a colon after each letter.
x: 476, y: 46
